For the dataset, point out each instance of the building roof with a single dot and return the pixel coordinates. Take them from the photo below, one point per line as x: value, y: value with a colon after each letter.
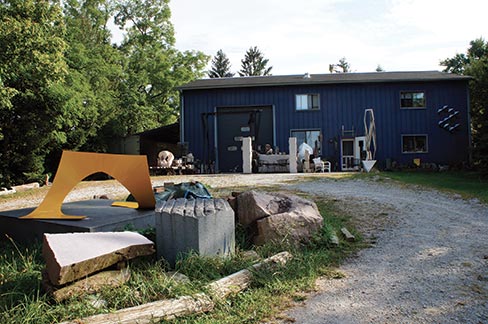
x: 168, y: 133
x: 314, y: 79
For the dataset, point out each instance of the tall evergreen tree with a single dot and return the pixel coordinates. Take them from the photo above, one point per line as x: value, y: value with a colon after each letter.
x: 342, y: 67
x: 475, y: 64
x: 220, y: 66
x: 254, y: 63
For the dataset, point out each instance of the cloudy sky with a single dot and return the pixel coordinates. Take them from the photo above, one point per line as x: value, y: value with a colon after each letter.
x: 308, y: 35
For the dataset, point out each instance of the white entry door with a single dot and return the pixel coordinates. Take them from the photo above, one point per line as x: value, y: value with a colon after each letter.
x: 352, y: 152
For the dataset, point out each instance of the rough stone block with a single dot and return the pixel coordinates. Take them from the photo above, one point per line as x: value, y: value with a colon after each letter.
x: 278, y: 217
x: 205, y: 226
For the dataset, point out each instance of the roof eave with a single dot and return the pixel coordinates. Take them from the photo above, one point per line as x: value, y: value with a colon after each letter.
x: 274, y: 84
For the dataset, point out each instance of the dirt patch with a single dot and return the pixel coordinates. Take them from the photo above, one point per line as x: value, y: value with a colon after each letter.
x: 368, y: 217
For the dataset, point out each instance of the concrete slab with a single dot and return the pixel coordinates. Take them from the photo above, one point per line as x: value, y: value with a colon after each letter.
x: 101, y: 217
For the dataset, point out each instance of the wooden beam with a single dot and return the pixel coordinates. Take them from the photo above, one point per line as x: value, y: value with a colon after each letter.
x: 240, y: 280
x: 186, y: 305
x: 153, y: 312
x: 334, y: 239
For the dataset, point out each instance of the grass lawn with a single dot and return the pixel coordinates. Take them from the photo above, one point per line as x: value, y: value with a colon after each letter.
x: 23, y: 301
x: 467, y: 184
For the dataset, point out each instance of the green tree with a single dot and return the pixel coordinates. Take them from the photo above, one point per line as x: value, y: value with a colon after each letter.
x: 475, y: 64
x: 32, y: 67
x: 154, y: 66
x: 254, y: 63
x: 220, y: 66
x: 379, y: 68
x: 95, y: 73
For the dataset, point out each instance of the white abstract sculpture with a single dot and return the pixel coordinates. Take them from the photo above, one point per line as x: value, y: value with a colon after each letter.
x: 370, y: 139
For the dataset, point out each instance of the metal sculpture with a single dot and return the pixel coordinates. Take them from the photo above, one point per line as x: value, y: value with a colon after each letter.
x: 450, y: 118
x: 131, y: 171
x: 370, y: 139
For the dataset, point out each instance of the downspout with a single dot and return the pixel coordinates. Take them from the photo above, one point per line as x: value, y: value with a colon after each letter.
x: 182, y: 117
x: 274, y: 129
x: 216, y: 142
x: 470, y: 139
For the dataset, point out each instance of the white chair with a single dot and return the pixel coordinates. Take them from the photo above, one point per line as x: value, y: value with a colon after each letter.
x: 321, y: 166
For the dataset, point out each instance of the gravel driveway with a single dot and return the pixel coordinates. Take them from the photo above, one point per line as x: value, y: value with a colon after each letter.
x: 429, y: 263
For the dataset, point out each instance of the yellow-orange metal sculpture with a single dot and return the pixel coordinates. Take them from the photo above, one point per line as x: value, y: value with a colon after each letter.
x: 131, y: 171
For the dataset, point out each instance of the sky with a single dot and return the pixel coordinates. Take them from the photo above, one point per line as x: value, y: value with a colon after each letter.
x: 305, y: 36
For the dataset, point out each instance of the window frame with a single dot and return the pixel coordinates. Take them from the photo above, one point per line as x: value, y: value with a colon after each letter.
x: 309, y: 97
x: 413, y: 92
x: 415, y: 135
x: 319, y: 130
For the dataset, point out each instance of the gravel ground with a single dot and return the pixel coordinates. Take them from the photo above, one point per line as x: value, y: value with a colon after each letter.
x: 114, y: 190
x: 429, y: 263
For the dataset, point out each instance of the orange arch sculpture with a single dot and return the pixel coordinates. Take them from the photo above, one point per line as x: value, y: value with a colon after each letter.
x: 131, y: 171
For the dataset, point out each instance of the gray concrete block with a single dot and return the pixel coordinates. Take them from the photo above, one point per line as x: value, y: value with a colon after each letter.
x: 205, y: 226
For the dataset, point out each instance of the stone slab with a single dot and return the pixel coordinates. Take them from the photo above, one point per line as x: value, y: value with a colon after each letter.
x: 87, y: 285
x: 101, y: 217
x: 71, y: 256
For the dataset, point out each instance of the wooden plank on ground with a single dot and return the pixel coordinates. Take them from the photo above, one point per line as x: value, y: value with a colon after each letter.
x: 334, y: 239
x: 155, y: 311
x: 186, y: 305
x: 240, y: 280
x: 349, y: 237
x: 72, y: 256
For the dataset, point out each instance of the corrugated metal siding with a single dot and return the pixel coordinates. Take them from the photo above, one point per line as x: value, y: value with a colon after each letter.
x: 344, y: 105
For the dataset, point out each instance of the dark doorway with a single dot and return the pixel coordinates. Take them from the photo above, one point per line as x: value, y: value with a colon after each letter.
x: 234, y: 123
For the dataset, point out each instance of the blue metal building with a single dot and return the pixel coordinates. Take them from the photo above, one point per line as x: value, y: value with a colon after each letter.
x: 421, y: 116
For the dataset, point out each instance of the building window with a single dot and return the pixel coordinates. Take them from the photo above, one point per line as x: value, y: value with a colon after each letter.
x: 310, y: 137
x: 412, y: 99
x: 307, y: 102
x: 414, y: 144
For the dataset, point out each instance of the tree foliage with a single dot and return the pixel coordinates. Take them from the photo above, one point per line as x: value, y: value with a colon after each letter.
x: 475, y: 64
x: 153, y: 68
x: 33, y: 67
x: 254, y: 63
x: 342, y: 67
x: 64, y: 85
x: 95, y: 72
x: 220, y: 66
